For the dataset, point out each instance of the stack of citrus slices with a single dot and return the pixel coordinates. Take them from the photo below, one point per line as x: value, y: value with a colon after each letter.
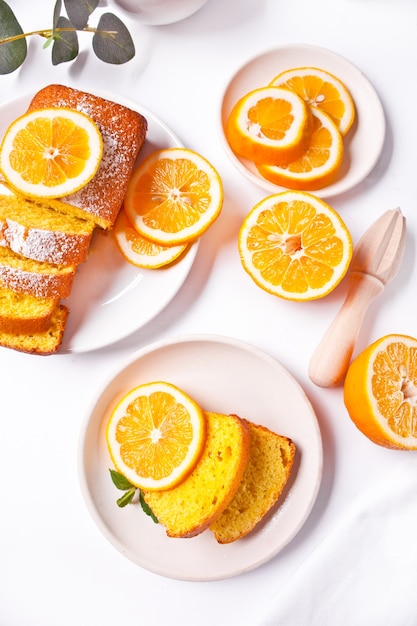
x: 293, y: 129
x: 173, y: 197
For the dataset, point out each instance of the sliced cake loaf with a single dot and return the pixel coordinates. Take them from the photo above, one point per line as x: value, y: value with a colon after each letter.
x: 189, y: 509
x: 267, y: 472
x: 21, y: 313
x: 123, y: 132
x: 35, y: 278
x: 38, y: 232
x: 42, y: 343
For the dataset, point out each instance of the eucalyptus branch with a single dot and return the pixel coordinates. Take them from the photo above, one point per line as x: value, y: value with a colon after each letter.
x: 111, y: 42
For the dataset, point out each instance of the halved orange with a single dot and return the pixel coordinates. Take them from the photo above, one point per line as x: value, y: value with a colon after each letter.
x: 321, y: 89
x: 156, y: 435
x: 141, y: 251
x: 174, y: 196
x: 380, y: 392
x: 50, y: 153
x: 320, y: 163
x: 295, y: 246
x: 269, y: 125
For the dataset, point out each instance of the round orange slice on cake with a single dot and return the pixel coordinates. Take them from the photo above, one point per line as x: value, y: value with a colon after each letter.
x: 156, y: 435
x: 50, y: 153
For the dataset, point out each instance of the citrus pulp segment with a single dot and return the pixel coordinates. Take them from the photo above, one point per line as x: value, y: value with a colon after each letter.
x: 321, y: 89
x: 140, y: 251
x: 295, y: 246
x: 269, y: 125
x: 319, y: 164
x: 50, y: 153
x: 380, y: 392
x: 155, y: 435
x: 174, y: 196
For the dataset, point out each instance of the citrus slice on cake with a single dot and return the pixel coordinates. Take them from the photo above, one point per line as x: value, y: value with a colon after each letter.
x: 156, y: 435
x: 380, y: 392
x: 269, y: 125
x: 140, y: 251
x: 319, y: 164
x: 320, y: 89
x: 50, y: 153
x: 174, y: 196
x: 295, y: 246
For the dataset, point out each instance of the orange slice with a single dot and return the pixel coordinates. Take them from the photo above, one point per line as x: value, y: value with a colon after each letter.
x: 51, y: 153
x: 156, y: 435
x: 295, y: 246
x: 269, y: 125
x: 320, y: 89
x: 140, y: 251
x: 174, y: 196
x: 320, y: 163
x: 380, y: 392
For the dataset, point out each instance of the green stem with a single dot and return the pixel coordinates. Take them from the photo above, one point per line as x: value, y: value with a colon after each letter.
x: 48, y: 33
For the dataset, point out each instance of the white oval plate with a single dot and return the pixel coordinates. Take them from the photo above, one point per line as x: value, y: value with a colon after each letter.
x: 110, y: 298
x: 365, y: 140
x: 226, y: 376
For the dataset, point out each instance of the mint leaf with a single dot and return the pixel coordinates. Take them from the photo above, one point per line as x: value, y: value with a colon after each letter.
x: 12, y: 53
x: 119, y: 480
x: 126, y: 498
x: 146, y: 508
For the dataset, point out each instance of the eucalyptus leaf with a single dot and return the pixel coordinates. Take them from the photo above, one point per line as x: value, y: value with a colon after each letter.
x: 119, y: 480
x: 65, y: 47
x: 112, y: 42
x: 13, y: 53
x: 56, y: 15
x: 146, y: 508
x: 79, y: 11
x: 126, y: 498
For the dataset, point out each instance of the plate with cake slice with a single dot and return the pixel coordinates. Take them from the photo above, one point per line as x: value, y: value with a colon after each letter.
x: 227, y: 378
x: 109, y: 298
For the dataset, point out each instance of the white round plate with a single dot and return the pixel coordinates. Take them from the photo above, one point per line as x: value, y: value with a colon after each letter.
x: 225, y: 376
x: 110, y: 298
x: 365, y: 140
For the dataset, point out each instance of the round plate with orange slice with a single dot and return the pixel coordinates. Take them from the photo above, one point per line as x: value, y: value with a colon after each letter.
x: 112, y: 298
x: 223, y: 375
x: 363, y: 139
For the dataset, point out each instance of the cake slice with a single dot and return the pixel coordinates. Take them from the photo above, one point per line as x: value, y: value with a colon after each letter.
x: 189, y: 509
x: 35, y: 278
x: 21, y: 313
x: 267, y: 472
x: 123, y: 131
x: 37, y: 232
x: 42, y: 343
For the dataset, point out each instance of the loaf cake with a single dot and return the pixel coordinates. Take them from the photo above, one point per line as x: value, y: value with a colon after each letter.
x: 44, y: 280
x: 21, y: 313
x: 189, y: 509
x: 123, y: 132
x: 41, y: 343
x: 38, y: 232
x: 267, y: 472
x: 43, y: 242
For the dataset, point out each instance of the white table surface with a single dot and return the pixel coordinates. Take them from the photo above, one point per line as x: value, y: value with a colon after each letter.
x: 56, y: 569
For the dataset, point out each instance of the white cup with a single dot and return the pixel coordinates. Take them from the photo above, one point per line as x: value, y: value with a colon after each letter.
x: 157, y: 12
